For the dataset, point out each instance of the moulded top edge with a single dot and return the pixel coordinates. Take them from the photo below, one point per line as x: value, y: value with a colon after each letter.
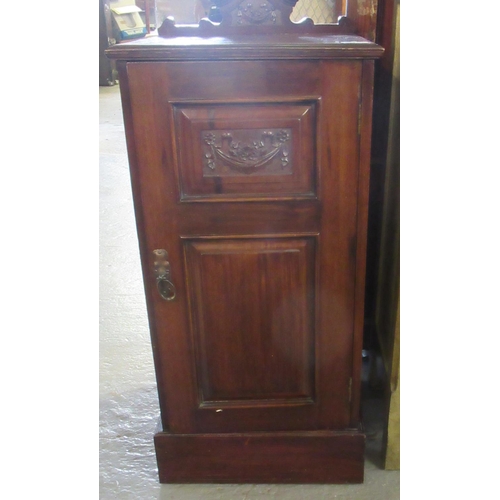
x: 284, y: 46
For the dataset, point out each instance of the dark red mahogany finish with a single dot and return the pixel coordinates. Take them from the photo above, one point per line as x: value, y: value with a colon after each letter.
x: 249, y: 157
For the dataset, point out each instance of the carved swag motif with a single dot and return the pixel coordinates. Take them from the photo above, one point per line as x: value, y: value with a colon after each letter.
x: 268, y: 148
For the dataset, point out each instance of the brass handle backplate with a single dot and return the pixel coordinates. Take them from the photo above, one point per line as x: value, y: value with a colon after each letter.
x: 164, y: 283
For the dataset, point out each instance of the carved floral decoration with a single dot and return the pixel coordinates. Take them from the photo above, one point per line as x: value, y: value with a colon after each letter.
x: 247, y: 156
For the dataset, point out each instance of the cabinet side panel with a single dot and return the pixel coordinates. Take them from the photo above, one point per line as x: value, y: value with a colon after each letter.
x: 338, y: 190
x: 362, y: 228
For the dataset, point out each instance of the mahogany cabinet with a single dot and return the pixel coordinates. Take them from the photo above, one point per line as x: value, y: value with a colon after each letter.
x: 249, y: 158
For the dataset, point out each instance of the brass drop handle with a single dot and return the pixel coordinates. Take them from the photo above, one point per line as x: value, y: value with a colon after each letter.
x: 164, y: 283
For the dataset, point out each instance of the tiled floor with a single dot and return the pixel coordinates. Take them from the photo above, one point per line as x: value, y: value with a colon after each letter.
x: 128, y: 399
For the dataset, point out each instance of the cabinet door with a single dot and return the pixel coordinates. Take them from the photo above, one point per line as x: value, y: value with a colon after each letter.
x: 246, y: 173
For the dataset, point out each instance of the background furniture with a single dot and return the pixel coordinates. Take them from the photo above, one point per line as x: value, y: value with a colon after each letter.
x: 107, y: 67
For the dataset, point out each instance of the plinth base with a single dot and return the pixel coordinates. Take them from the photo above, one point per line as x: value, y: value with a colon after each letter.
x: 328, y: 457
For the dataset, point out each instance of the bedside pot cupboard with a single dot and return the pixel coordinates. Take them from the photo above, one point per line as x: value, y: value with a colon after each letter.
x: 249, y: 156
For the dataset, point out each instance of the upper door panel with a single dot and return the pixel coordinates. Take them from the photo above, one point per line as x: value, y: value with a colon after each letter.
x: 239, y: 151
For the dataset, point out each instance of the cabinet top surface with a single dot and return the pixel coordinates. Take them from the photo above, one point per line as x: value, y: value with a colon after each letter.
x: 244, y: 47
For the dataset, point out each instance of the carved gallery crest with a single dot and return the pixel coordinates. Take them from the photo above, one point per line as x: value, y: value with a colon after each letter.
x: 259, y: 12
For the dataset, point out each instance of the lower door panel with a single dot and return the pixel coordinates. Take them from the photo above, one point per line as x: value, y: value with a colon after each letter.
x: 252, y: 310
